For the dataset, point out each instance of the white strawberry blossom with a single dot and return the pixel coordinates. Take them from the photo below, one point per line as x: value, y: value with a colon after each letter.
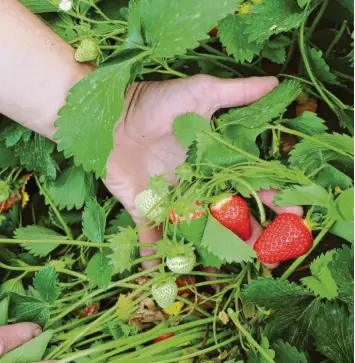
x: 65, y: 5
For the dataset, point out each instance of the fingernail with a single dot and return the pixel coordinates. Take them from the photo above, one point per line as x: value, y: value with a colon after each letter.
x: 37, y: 332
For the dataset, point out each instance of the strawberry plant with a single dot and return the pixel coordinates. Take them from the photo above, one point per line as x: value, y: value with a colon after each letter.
x: 69, y: 251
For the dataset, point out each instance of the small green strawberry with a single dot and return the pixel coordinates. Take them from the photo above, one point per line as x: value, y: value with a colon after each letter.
x: 165, y: 293
x: 87, y: 51
x: 182, y: 264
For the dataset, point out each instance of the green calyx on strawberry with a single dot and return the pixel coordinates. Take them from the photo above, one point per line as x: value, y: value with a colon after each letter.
x: 164, y: 290
x: 233, y: 213
x: 149, y: 203
x: 288, y: 236
x: 87, y: 51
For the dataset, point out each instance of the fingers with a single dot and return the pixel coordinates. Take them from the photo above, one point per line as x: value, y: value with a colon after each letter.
x: 148, y: 236
x: 267, y: 197
x: 241, y: 91
x: 12, y: 336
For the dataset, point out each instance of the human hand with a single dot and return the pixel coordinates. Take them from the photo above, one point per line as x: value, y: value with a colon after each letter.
x: 14, y: 335
x: 145, y: 145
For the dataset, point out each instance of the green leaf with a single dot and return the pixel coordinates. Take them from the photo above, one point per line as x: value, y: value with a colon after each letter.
x: 344, y: 229
x: 85, y: 124
x: 264, y: 343
x: 210, y: 151
x: 286, y: 353
x: 275, y: 293
x: 134, y: 30
x: 38, y: 233
x: 234, y: 249
x: 94, y: 221
x: 293, y: 308
x: 45, y: 283
x: 7, y: 157
x: 265, y: 109
x: 346, y: 119
x: 118, y: 329
x: 321, y: 282
x: 275, y: 49
x: 273, y: 17
x: 256, y: 183
x: 35, y: 155
x: 345, y: 204
x: 193, y: 232
x: 333, y: 334
x: 13, y: 133
x: 39, y: 6
x: 320, y: 68
x: 72, y: 187
x: 32, y: 351
x: 124, y: 246
x: 342, y: 270
x: 63, y: 25
x: 308, y: 123
x: 330, y: 176
x: 173, y: 27
x: 28, y: 308
x: 309, y: 155
x: 123, y: 219
x: 348, y: 4
x: 302, y: 195
x: 13, y: 285
x: 186, y: 126
x: 231, y: 31
x: 99, y: 271
x: 4, y: 308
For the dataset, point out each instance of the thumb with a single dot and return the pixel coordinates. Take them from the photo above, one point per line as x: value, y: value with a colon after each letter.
x: 241, y: 91
x: 12, y: 336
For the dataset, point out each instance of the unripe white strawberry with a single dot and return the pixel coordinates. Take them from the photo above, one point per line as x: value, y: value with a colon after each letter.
x: 181, y: 264
x: 87, y: 51
x: 146, y: 204
x: 165, y: 293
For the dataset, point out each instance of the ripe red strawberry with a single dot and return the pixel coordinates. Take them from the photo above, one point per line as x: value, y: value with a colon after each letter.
x: 233, y: 213
x: 163, y: 337
x: 174, y: 218
x: 7, y: 204
x: 288, y: 236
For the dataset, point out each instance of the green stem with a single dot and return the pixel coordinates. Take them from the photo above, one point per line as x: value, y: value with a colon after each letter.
x: 84, y: 18
x: 149, y: 335
x: 318, y: 18
x: 299, y: 260
x: 248, y: 336
x: 309, y: 69
x: 99, y: 291
x: 336, y: 39
x: 200, y: 352
x: 55, y: 210
x: 39, y: 268
x: 256, y: 197
x: 58, y: 242
x: 311, y: 138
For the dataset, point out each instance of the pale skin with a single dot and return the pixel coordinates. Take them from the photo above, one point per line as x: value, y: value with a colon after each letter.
x: 37, y: 69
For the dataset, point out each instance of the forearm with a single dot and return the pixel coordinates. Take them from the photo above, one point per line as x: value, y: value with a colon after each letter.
x: 37, y: 69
